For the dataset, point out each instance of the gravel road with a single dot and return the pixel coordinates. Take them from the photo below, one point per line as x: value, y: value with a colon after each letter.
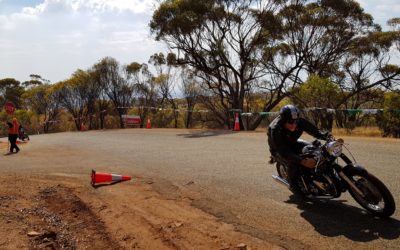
x: 231, y: 173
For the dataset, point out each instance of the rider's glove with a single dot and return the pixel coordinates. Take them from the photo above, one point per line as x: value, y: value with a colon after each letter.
x: 308, y: 162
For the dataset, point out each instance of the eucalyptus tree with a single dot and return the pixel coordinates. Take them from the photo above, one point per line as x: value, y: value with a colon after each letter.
x: 98, y: 77
x: 223, y: 40
x: 145, y: 89
x: 97, y: 104
x: 117, y: 85
x: 394, y: 23
x: 44, y: 100
x: 191, y: 91
x: 35, y: 81
x: 338, y: 40
x: 73, y: 96
x: 317, y: 92
x: 269, y: 46
x: 165, y: 80
x: 11, y: 90
x: 390, y: 123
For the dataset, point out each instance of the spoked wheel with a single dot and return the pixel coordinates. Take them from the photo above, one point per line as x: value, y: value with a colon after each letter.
x: 282, y: 171
x: 376, y: 198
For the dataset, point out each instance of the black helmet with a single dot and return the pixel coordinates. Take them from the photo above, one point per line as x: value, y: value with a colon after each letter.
x: 289, y: 112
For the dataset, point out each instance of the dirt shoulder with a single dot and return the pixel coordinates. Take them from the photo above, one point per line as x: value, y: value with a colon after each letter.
x: 66, y: 212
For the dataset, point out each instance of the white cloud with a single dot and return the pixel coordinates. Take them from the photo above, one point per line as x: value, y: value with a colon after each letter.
x: 381, y: 11
x: 94, y: 6
x: 12, y: 21
x: 56, y: 37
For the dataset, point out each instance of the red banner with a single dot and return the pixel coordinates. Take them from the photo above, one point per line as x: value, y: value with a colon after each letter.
x: 131, y: 119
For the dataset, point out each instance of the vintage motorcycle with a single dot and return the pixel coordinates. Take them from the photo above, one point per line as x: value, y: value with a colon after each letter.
x: 329, y: 179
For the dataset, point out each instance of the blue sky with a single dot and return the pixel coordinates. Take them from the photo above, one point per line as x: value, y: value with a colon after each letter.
x: 54, y: 38
x: 12, y: 6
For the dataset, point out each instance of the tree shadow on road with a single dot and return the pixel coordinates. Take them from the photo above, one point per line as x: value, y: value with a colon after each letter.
x: 206, y: 133
x: 334, y: 218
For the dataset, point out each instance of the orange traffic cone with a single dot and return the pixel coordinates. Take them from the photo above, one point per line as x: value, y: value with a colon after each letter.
x: 98, y: 177
x: 148, y: 122
x: 237, y: 125
x: 83, y: 127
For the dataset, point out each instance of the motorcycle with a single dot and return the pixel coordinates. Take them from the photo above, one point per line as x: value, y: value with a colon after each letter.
x: 22, y: 135
x: 329, y: 179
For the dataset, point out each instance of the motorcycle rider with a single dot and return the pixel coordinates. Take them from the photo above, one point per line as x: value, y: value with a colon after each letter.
x: 284, y: 144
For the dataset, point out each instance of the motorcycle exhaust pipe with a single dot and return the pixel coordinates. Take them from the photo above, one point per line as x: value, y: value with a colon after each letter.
x: 329, y: 197
x: 281, y: 180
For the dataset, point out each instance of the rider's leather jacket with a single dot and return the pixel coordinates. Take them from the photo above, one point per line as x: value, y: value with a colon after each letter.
x: 284, y: 142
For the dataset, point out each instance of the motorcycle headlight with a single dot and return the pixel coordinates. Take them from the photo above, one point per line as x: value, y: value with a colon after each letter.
x: 334, y: 148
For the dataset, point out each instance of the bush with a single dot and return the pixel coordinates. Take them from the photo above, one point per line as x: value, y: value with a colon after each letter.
x: 390, y: 123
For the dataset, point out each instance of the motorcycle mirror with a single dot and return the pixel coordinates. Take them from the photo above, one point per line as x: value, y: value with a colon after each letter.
x: 340, y: 140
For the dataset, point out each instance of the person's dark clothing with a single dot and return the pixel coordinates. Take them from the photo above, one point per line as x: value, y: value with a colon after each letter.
x: 13, y: 135
x: 13, y: 141
x: 286, y: 146
x: 21, y: 134
x: 285, y: 143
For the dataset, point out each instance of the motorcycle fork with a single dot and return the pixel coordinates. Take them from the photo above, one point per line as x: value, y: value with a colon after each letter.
x: 304, y: 184
x: 352, y: 185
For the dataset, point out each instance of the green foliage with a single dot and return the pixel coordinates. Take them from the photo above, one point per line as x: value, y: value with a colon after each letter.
x: 11, y: 90
x: 24, y: 117
x: 391, y: 115
x: 133, y: 68
x: 320, y: 93
x: 316, y: 92
x: 395, y: 23
x: 181, y: 16
x: 390, y: 68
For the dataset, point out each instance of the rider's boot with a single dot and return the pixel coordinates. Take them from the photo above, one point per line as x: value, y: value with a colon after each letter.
x: 294, y: 188
x: 294, y: 183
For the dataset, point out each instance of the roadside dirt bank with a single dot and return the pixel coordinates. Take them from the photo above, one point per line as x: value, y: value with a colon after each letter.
x: 65, y: 212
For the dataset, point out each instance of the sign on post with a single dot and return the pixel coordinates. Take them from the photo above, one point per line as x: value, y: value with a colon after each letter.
x: 9, y: 108
x: 131, y: 120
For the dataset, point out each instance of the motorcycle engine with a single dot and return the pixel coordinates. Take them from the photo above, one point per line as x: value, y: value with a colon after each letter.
x: 322, y: 185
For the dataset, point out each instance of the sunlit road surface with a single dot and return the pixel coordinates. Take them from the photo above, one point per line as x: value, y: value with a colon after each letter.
x: 230, y: 171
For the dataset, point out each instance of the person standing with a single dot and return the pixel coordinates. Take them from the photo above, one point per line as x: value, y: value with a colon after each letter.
x: 13, y: 135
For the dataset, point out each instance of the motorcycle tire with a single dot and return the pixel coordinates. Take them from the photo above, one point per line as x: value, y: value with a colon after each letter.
x: 375, y: 193
x: 281, y: 170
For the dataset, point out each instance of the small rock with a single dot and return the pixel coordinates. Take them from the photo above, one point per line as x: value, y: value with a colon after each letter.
x: 178, y: 224
x: 242, y: 246
x: 190, y: 183
x: 33, y: 233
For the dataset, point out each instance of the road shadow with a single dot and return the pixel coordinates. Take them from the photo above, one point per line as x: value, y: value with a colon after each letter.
x: 334, y: 218
x: 105, y: 184
x: 206, y: 133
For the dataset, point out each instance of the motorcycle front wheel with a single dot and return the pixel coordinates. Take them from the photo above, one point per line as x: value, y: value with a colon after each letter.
x: 376, y: 197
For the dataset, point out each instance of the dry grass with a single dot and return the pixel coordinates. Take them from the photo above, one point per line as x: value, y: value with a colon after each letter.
x: 359, y: 131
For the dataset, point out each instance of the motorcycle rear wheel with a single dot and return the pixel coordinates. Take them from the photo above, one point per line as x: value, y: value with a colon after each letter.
x: 282, y: 171
x: 377, y: 198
